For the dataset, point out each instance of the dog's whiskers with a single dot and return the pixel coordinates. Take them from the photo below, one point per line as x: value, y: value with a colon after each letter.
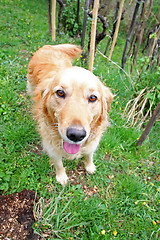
x: 55, y: 125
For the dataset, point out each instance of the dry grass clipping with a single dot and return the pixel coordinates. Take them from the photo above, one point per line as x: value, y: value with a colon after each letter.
x: 138, y: 110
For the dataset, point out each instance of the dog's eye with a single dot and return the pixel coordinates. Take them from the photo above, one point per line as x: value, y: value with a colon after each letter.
x: 61, y: 93
x: 92, y: 98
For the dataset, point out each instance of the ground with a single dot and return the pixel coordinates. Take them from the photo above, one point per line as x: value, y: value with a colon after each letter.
x: 16, y: 218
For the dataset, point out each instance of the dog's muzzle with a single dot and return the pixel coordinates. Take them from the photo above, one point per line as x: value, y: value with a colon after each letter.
x: 76, y: 135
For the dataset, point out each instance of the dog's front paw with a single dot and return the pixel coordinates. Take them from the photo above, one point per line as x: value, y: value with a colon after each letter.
x: 62, y: 179
x: 90, y: 168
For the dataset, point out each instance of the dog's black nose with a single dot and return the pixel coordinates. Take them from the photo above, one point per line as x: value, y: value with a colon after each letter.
x: 76, y: 135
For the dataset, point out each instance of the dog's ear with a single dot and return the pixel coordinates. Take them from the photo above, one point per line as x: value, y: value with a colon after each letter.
x: 47, y: 111
x: 72, y: 51
x: 109, y: 97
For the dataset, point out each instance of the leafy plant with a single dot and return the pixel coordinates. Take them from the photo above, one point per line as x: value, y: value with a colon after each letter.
x: 5, y: 177
x: 69, y: 18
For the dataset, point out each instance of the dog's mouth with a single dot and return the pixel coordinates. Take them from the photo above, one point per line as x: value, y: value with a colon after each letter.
x: 73, y: 138
x: 71, y: 148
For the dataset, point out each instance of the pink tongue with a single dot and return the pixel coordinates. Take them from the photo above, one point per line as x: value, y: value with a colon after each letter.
x: 71, y: 148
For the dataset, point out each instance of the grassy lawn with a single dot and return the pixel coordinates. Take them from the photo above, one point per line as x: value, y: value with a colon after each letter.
x: 122, y: 199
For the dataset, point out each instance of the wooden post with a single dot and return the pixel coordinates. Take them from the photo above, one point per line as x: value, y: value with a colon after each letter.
x: 149, y: 125
x: 84, y: 23
x: 93, y: 34
x: 144, y: 18
x: 78, y: 9
x: 53, y: 20
x: 49, y: 17
x: 130, y: 33
x: 113, y: 28
x: 117, y: 29
x: 154, y: 43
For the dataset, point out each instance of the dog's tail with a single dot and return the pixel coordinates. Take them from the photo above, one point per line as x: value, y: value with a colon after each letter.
x: 48, y: 60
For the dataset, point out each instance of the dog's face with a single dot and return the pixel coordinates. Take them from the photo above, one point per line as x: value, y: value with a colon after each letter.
x: 79, y: 102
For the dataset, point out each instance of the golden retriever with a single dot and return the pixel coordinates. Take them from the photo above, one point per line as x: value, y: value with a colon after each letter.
x: 70, y: 106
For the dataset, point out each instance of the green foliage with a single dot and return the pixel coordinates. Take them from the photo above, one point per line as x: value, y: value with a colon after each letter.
x: 154, y: 97
x: 5, y: 177
x: 149, y: 79
x: 69, y: 18
x: 133, y: 199
x: 152, y: 21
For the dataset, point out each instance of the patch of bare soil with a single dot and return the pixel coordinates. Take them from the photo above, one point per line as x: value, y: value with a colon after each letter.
x: 16, y: 216
x: 78, y: 176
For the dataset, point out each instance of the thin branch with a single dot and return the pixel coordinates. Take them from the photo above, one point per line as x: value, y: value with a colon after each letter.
x: 118, y: 67
x: 149, y: 125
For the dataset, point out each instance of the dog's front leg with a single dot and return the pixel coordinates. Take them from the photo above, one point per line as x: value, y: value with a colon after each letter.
x: 89, y: 165
x: 61, y: 175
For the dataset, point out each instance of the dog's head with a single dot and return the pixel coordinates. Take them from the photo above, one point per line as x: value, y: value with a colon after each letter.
x: 79, y: 102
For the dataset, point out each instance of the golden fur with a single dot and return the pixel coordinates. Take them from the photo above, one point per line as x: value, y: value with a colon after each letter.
x: 70, y: 106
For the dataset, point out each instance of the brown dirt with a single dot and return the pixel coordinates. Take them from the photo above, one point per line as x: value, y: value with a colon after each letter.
x: 78, y: 176
x: 16, y: 210
x: 16, y: 216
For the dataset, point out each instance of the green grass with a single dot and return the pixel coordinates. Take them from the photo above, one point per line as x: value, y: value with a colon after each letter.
x: 122, y: 197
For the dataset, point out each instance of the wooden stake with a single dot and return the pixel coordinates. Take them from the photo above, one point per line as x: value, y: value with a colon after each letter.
x: 150, y: 51
x: 49, y: 17
x: 93, y: 34
x: 117, y: 29
x: 124, y: 58
x: 144, y: 18
x: 149, y: 126
x: 84, y: 23
x: 53, y: 20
